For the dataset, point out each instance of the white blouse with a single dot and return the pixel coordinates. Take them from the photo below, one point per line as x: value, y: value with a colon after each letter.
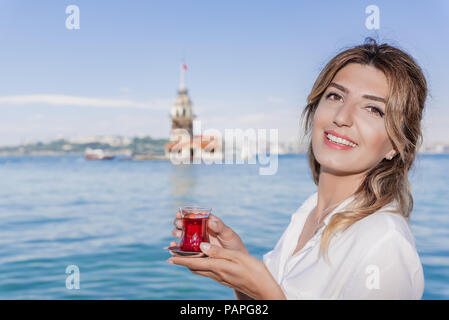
x: 375, y: 258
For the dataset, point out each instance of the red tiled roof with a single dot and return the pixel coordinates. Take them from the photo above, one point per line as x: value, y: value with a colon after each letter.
x: 198, y: 141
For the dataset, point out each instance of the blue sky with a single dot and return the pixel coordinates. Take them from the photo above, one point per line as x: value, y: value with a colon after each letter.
x: 251, y: 63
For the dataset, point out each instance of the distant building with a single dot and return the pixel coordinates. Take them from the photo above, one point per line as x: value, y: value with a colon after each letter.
x: 183, y: 143
x: 181, y: 113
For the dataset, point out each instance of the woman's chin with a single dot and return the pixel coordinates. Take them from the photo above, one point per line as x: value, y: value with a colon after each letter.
x: 337, y: 169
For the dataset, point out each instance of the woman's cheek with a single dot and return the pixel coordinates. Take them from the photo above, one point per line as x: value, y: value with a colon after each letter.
x: 324, y: 115
x: 374, y: 137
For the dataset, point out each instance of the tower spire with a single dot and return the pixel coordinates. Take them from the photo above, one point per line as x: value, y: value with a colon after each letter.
x: 181, y: 112
x: 182, y: 83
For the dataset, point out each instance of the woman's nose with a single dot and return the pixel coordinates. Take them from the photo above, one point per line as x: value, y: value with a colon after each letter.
x: 344, y: 115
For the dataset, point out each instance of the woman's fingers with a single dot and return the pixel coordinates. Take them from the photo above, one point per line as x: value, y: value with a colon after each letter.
x: 224, y: 235
x: 220, y: 234
x: 178, y: 225
x: 176, y: 233
x: 219, y: 228
x: 210, y: 267
x: 177, y: 222
x: 215, y: 224
x: 194, y: 264
x: 218, y: 252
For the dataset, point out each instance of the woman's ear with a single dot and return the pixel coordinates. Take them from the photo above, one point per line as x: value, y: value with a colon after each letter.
x: 390, y: 155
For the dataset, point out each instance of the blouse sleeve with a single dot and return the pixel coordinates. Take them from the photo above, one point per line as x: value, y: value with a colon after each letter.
x: 391, y: 269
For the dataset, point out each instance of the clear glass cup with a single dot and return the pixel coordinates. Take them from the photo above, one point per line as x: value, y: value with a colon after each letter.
x: 194, y: 227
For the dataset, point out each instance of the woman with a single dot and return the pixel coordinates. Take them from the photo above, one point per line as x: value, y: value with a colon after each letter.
x: 350, y: 239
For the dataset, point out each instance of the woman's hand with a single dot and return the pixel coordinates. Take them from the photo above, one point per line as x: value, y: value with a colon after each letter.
x: 219, y: 234
x: 233, y: 269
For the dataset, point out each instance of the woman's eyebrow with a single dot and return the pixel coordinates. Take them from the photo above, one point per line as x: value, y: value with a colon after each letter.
x: 339, y: 87
x: 366, y: 96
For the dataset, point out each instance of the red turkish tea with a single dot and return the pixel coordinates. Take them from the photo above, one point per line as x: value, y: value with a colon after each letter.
x: 194, y: 229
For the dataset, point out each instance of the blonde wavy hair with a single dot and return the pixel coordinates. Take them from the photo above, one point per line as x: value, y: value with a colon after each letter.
x: 388, y: 181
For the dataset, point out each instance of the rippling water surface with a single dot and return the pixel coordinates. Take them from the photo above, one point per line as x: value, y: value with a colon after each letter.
x: 113, y: 218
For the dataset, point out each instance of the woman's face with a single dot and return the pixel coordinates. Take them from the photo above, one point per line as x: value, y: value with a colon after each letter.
x: 352, y: 108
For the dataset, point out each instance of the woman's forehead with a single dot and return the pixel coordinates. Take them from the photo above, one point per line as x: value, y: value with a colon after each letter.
x: 362, y: 80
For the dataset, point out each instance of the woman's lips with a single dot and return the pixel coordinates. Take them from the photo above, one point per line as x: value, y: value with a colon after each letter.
x: 335, y: 145
x: 339, y: 135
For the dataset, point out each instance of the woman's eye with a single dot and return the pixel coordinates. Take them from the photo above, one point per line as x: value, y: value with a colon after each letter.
x: 333, y: 96
x: 336, y: 97
x: 376, y: 111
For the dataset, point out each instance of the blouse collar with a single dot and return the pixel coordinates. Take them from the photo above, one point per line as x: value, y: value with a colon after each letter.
x: 312, y: 202
x: 340, y: 208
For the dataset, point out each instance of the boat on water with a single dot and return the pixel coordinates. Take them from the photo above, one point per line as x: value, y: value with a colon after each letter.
x: 97, y: 154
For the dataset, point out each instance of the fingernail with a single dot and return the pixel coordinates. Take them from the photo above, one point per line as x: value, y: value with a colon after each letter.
x: 170, y: 261
x: 205, y: 246
x: 214, y: 224
x: 178, y: 233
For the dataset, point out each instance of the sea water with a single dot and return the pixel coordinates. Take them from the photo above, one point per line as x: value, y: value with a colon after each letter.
x: 110, y: 222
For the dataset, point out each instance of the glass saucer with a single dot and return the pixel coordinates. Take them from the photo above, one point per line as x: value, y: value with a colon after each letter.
x: 174, y: 250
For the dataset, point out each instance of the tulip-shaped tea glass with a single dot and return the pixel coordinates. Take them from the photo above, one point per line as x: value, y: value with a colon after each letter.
x: 194, y: 227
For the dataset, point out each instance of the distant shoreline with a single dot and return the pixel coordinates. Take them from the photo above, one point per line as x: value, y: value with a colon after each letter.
x: 142, y: 148
x: 155, y: 157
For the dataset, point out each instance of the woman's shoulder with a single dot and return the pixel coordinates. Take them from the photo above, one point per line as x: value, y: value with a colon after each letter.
x: 384, y: 240
x: 385, y: 223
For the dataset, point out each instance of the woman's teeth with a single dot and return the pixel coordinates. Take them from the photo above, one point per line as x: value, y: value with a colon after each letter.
x: 339, y: 140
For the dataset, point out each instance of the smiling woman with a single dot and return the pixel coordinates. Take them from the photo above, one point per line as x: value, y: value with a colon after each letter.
x: 379, y: 101
x: 363, y: 119
x: 351, y: 238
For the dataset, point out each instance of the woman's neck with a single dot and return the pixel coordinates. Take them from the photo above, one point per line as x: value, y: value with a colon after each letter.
x: 334, y: 189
